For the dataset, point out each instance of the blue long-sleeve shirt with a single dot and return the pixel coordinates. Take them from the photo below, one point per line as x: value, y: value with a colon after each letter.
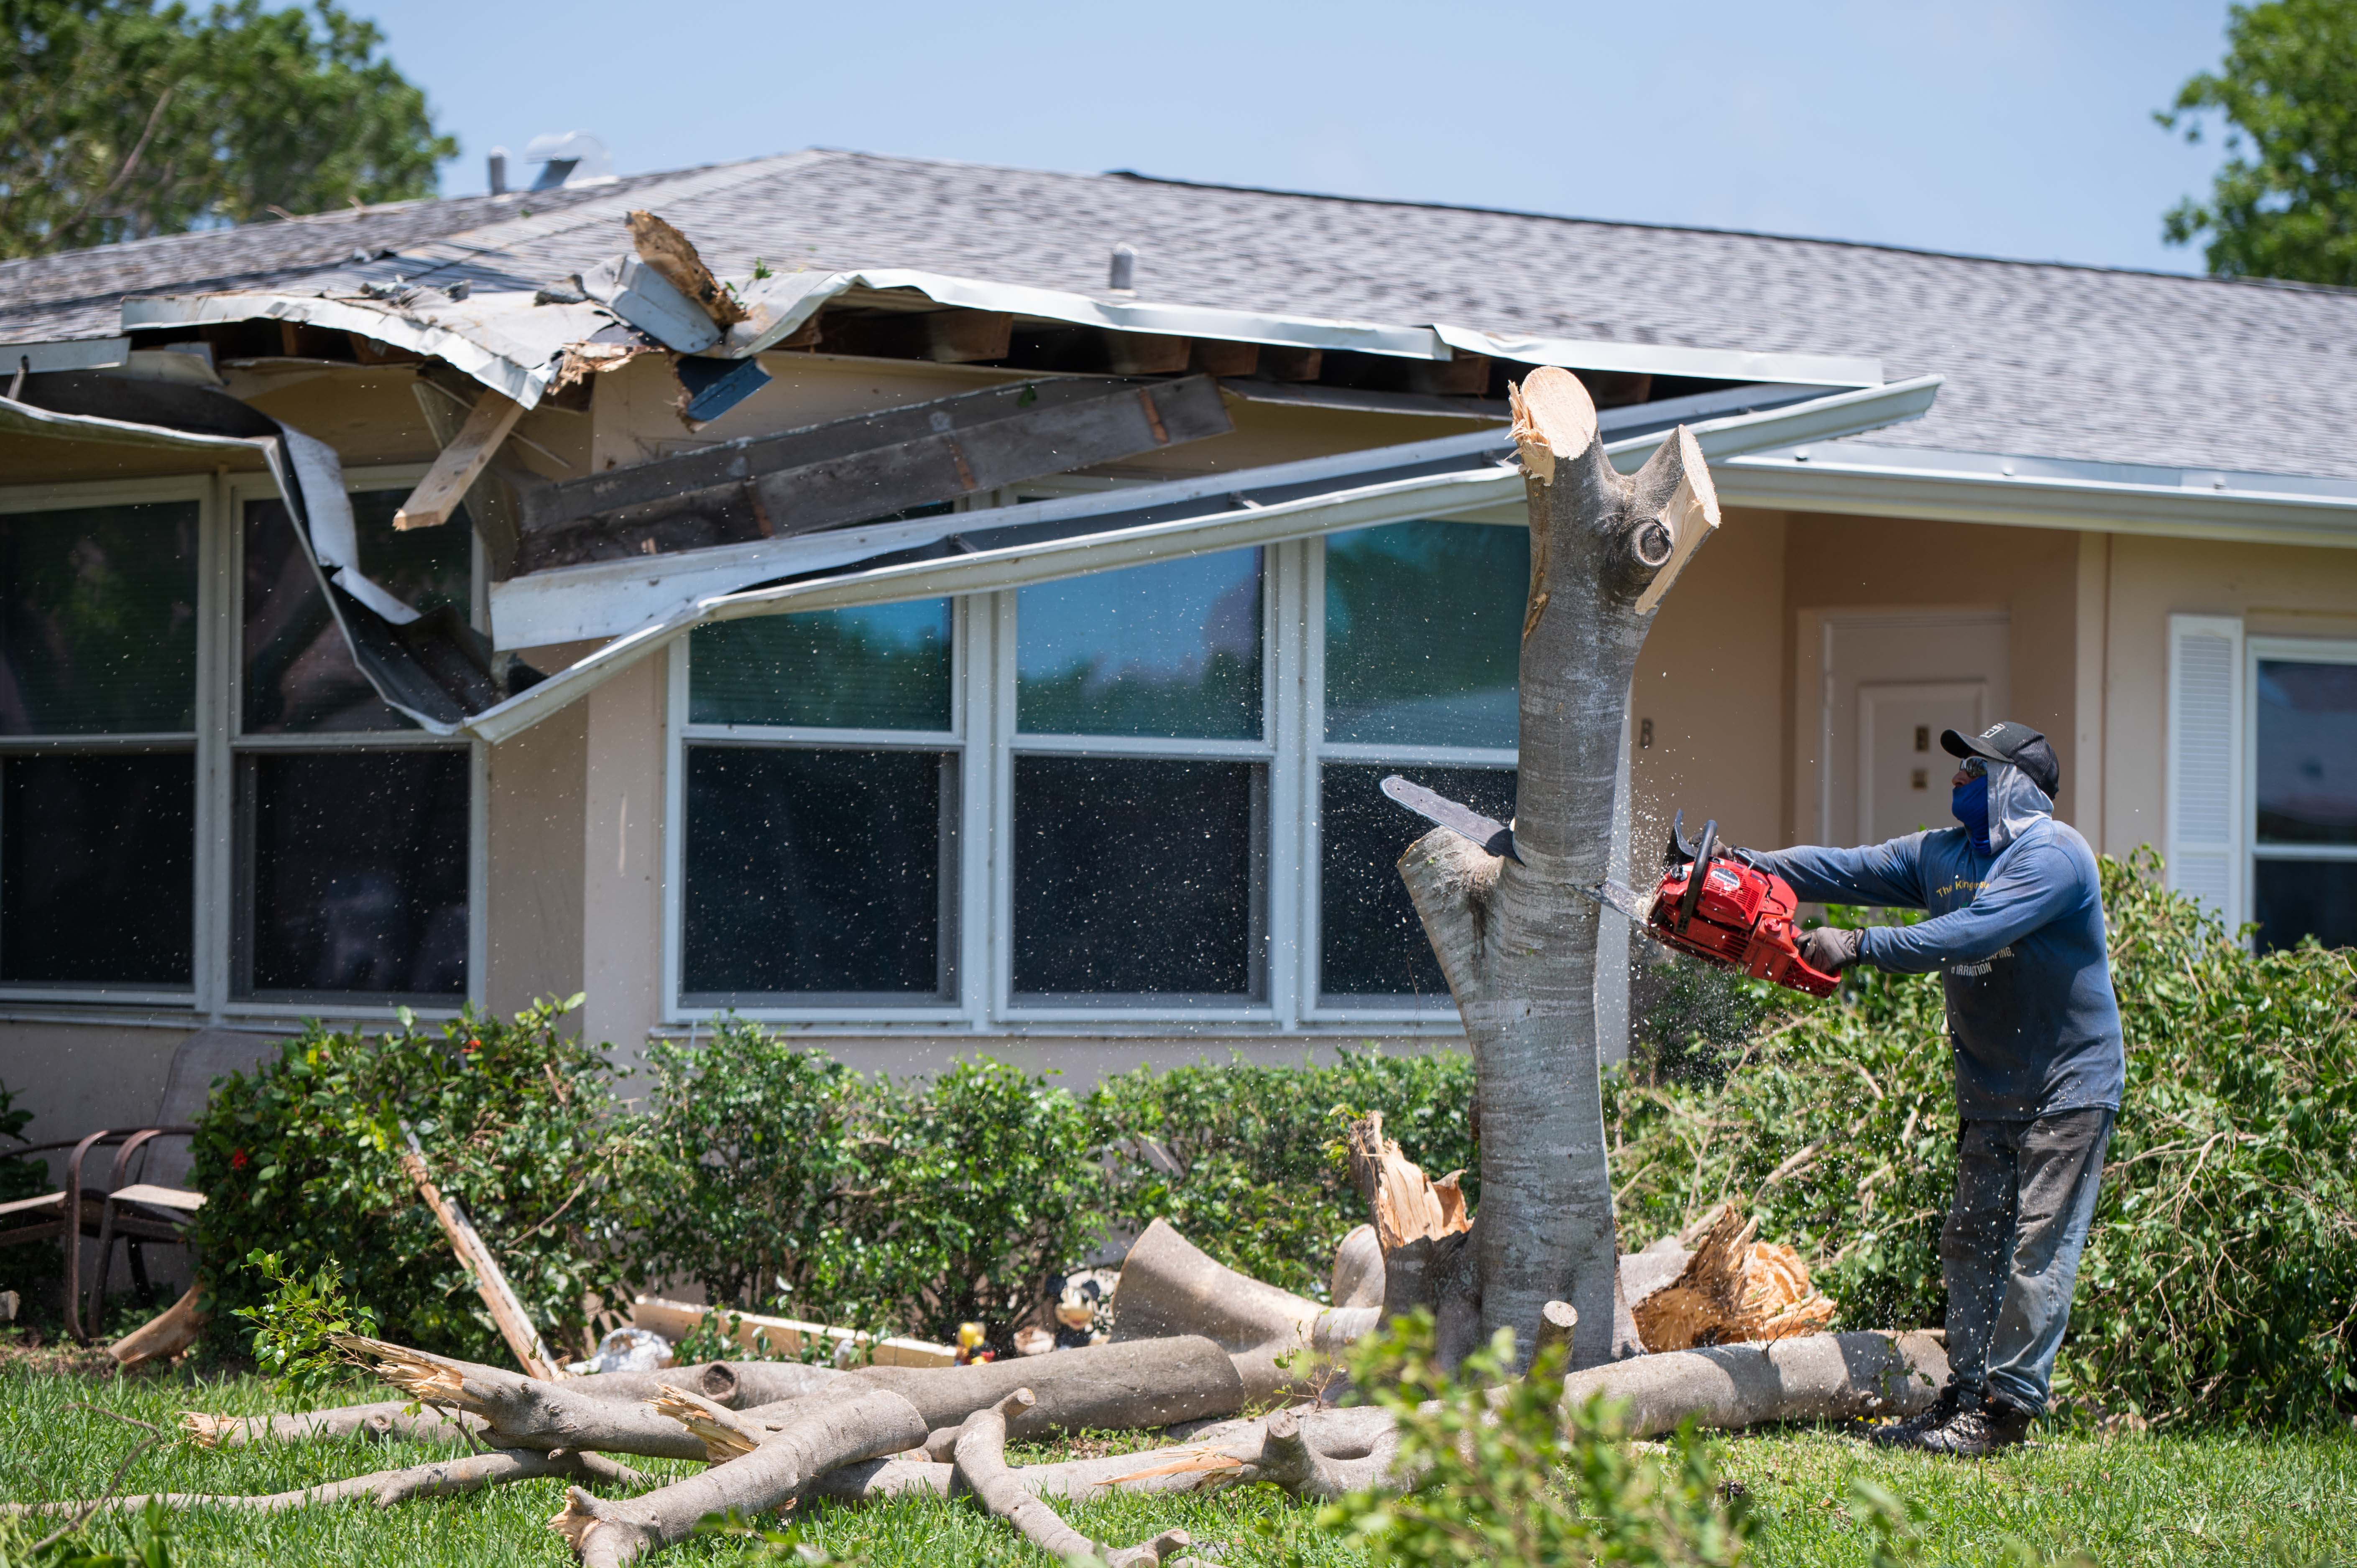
x: 2017, y: 936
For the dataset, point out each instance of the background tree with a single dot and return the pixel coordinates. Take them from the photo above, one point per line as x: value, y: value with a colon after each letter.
x: 2285, y: 205
x: 121, y: 119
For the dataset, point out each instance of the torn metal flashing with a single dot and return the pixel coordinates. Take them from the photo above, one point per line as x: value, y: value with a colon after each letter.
x: 504, y: 341
x: 434, y: 668
x: 1037, y: 542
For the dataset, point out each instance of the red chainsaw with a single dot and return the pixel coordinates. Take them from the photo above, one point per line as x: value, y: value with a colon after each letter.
x: 1708, y: 903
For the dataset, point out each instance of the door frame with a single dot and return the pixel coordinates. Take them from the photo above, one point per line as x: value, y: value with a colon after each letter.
x: 1812, y: 710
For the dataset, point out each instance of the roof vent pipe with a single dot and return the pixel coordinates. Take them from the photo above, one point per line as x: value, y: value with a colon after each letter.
x: 497, y: 162
x: 1122, y: 276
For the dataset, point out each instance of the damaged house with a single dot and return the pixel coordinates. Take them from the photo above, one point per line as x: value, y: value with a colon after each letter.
x: 938, y: 610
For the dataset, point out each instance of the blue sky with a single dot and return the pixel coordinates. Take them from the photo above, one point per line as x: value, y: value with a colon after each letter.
x: 1999, y: 127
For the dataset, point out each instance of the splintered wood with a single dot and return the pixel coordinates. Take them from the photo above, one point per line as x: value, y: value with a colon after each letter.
x: 1734, y: 1288
x: 1407, y: 1205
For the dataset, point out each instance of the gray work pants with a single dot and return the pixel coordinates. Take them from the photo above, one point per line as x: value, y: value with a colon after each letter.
x: 2025, y: 1195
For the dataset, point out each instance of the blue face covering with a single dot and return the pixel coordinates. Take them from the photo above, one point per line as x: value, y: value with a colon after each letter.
x: 1970, y: 804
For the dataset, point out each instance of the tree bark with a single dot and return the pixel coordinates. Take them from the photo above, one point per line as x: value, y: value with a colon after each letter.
x: 981, y: 1462
x: 1515, y: 939
x: 385, y: 1488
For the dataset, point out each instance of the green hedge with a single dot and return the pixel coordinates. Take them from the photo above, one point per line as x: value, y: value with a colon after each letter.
x: 2217, y: 1284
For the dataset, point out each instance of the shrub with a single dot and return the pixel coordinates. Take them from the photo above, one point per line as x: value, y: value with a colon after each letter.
x: 779, y: 1176
x: 2219, y: 1272
x: 516, y: 1120
x: 1248, y: 1160
x: 1508, y: 1478
x: 19, y: 1177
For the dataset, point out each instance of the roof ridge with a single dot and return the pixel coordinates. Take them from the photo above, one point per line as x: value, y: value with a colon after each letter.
x: 2292, y: 284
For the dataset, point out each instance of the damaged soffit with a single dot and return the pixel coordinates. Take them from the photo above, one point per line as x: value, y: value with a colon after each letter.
x: 1005, y: 547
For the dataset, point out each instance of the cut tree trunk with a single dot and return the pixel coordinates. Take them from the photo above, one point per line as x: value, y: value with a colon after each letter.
x: 1818, y: 1377
x: 1515, y: 939
x: 1168, y: 1286
x: 1734, y: 1289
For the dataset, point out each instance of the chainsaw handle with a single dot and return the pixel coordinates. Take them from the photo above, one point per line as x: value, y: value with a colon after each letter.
x: 1704, y: 850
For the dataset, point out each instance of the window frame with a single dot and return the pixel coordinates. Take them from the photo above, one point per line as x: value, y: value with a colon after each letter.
x: 985, y: 740
x: 222, y: 499
x: 218, y: 898
x: 958, y: 823
x: 204, y: 491
x: 1317, y: 1005
x: 2256, y: 649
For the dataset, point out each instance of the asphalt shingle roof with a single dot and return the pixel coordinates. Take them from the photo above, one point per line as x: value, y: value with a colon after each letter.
x: 2041, y: 359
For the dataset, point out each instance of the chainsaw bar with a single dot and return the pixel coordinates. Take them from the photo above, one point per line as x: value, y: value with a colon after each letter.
x: 1463, y: 821
x: 1619, y: 897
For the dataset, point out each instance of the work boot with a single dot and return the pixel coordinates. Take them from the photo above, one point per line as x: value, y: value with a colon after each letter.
x: 1903, y: 1434
x: 1978, y: 1433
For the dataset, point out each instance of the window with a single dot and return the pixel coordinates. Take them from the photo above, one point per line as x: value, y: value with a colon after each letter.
x: 1421, y: 656
x: 98, y: 743
x: 1131, y: 800
x: 1140, y: 770
x: 2304, y: 793
x: 353, y: 828
x: 202, y: 803
x: 818, y: 847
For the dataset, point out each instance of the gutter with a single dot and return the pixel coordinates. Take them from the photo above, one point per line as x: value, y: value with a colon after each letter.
x: 1482, y: 482
x: 1860, y: 479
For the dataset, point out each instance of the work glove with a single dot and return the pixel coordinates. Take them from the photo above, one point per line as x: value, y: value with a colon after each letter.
x: 1829, y: 949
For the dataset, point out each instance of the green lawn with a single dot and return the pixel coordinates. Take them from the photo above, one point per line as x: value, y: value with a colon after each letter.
x: 2216, y: 1499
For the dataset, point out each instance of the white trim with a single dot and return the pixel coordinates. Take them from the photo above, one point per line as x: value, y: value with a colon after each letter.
x: 2208, y: 756
x: 2305, y: 649
x: 1863, y: 478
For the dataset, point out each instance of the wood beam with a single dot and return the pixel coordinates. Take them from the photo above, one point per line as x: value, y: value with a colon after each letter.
x: 1217, y: 356
x: 869, y: 466
x: 1279, y: 363
x: 945, y: 336
x: 454, y: 473
x: 1146, y: 353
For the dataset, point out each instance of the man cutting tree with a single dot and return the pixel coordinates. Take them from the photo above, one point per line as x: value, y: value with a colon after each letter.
x: 2017, y: 931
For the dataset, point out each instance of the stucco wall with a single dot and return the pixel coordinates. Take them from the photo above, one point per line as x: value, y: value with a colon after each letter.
x: 2279, y: 591
x: 538, y: 850
x: 621, y: 949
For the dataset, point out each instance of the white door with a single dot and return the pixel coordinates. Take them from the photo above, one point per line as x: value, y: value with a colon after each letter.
x: 1882, y: 676
x: 1902, y: 779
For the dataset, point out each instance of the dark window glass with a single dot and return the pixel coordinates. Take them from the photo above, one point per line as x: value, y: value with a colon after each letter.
x: 98, y: 620
x: 1369, y: 942
x: 2307, y: 752
x: 2296, y: 898
x: 876, y: 667
x: 815, y: 872
x: 1168, y: 650
x: 98, y: 868
x: 1423, y: 625
x: 1138, y: 877
x: 355, y: 872
x: 299, y: 675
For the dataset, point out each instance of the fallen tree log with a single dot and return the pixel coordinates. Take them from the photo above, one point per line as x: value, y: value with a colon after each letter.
x: 831, y: 1430
x: 981, y: 1463
x: 1819, y: 1377
x: 168, y: 1333
x: 1169, y: 1286
x: 384, y: 1489
x: 729, y: 1382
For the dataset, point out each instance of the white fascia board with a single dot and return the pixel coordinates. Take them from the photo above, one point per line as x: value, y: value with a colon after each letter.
x: 1437, y: 494
x: 72, y: 354
x: 1667, y: 360
x: 504, y: 341
x: 607, y: 598
x: 779, y: 305
x: 1972, y: 487
x: 24, y: 419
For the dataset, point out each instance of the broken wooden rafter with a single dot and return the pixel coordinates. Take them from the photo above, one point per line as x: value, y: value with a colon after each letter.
x: 461, y: 464
x: 944, y: 336
x: 852, y: 470
x: 506, y: 1310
